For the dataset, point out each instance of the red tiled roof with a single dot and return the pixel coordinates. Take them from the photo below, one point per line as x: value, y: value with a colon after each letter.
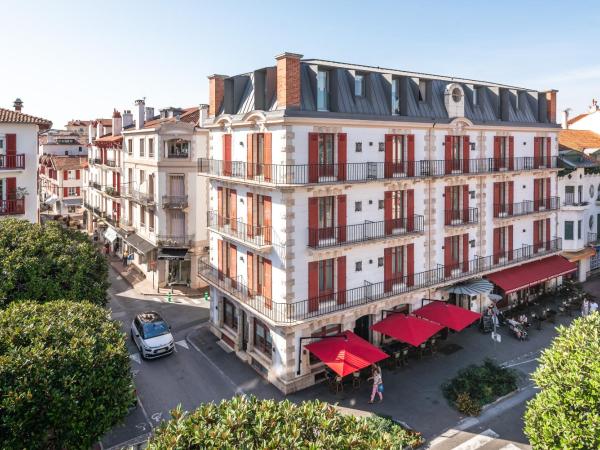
x: 64, y: 162
x: 105, y: 122
x: 108, y: 140
x: 190, y: 115
x: 12, y: 116
x: 578, y: 139
x: 576, y: 118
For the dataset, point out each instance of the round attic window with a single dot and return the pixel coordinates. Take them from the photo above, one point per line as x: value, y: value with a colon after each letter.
x: 456, y: 94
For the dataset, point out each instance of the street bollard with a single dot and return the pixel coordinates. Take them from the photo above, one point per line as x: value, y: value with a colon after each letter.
x: 170, y: 297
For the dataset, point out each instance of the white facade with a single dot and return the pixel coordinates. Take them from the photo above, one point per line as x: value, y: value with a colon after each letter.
x: 61, y: 185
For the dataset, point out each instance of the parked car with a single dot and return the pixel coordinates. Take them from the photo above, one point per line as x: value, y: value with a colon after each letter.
x: 152, y: 335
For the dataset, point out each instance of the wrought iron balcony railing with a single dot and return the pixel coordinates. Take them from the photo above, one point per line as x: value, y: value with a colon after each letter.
x: 363, y: 232
x: 572, y: 200
x: 526, y: 207
x: 112, y: 191
x: 110, y: 163
x: 259, y: 236
x: 175, y: 240
x: 281, y: 174
x: 95, y: 185
x: 457, y: 217
x: 593, y: 239
x: 146, y: 199
x: 175, y: 201
x: 281, y: 312
x: 12, y: 207
x: 12, y: 161
x: 94, y: 161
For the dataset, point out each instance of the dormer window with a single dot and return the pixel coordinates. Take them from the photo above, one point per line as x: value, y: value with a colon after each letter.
x: 323, y: 90
x: 359, y: 85
x: 396, y: 96
x: 475, y: 95
x: 422, y: 90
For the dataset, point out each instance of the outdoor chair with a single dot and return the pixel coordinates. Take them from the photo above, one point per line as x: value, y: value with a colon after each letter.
x: 356, y: 380
x: 421, y: 350
x: 338, y: 384
x: 432, y: 346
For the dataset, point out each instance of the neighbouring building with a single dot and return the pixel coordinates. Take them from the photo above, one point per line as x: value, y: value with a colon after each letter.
x: 80, y: 127
x: 338, y: 192
x: 61, y: 185
x: 18, y: 162
x: 164, y: 200
x: 63, y: 143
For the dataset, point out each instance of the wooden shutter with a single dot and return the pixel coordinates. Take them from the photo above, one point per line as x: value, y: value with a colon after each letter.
x: 267, y: 219
x: 78, y: 174
x: 496, y: 249
x: 227, y: 155
x: 387, y: 270
x: 313, y: 286
x: 11, y: 188
x: 66, y: 174
x: 233, y: 265
x: 536, y: 236
x: 465, y: 255
x: 448, y: 163
x: 233, y: 209
x: 250, y: 214
x: 220, y: 212
x: 313, y: 157
x: 268, y: 286
x: 341, y: 280
x: 250, y: 272
x: 548, y: 187
x: 510, y: 242
x: 447, y: 256
x: 548, y: 234
x: 342, y: 156
x: 220, y: 258
x: 389, y: 158
x: 511, y: 196
x: 341, y: 218
x: 465, y: 203
x: 465, y: 155
x: 497, y: 162
x: 410, y: 264
x: 511, y: 153
x: 250, y: 155
x: 78, y: 191
x: 410, y: 210
x: 537, y: 152
x: 268, y: 156
x: 65, y: 192
x: 497, y: 201
x: 387, y: 212
x: 448, y: 213
x: 536, y: 195
x: 313, y: 221
x: 548, y: 151
x: 11, y: 150
x: 410, y: 154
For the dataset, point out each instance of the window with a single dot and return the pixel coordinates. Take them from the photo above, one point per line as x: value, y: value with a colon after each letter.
x: 475, y: 95
x: 323, y: 90
x: 150, y: 220
x: 151, y: 148
x: 326, y: 277
x: 568, y: 230
x: 130, y: 147
x: 1, y: 142
x: 70, y: 175
x: 142, y: 177
x: 359, y: 85
x: 358, y: 147
x: 326, y: 212
x: 380, y: 261
x: 579, y: 229
x: 142, y: 217
x: 397, y: 261
x: 357, y: 206
x: 396, y: 96
x: 358, y: 266
x: 382, y: 146
x: 142, y: 151
x: 422, y: 90
x: 72, y: 191
x: 178, y: 149
x: 262, y: 337
x: 381, y: 204
x: 230, y: 318
x: 326, y: 150
x: 456, y: 95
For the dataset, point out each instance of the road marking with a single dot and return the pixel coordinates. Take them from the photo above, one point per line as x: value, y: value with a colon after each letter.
x: 157, y: 417
x: 144, y: 411
x: 119, y: 277
x: 510, y: 446
x: 519, y: 363
x: 156, y: 299
x: 478, y: 441
x: 135, y: 357
x: 141, y: 426
x: 196, y: 301
x: 183, y: 343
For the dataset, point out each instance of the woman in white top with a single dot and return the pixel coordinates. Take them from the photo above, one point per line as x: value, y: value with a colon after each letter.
x: 377, y: 384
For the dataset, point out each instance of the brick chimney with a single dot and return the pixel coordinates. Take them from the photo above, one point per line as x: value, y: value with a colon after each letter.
x: 216, y: 90
x: 288, y: 80
x: 117, y: 123
x: 18, y: 104
x: 551, y: 108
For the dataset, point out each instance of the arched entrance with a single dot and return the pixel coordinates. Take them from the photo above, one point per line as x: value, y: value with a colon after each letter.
x: 362, y: 327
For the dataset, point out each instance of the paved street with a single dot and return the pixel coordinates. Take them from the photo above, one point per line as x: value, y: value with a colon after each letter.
x: 201, y: 371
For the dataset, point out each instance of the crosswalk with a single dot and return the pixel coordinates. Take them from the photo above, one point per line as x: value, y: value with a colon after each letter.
x: 181, y: 301
x: 465, y: 440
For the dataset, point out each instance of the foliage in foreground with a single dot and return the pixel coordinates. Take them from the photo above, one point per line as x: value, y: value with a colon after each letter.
x: 249, y: 423
x: 64, y: 375
x: 566, y: 411
x: 48, y: 262
x: 479, y: 385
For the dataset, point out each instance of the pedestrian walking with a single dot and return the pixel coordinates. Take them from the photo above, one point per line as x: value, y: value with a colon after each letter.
x: 585, y: 307
x: 125, y: 257
x: 107, y: 249
x: 377, y: 384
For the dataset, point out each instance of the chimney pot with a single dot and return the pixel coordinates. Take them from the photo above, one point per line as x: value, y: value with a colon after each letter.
x: 140, y: 114
x: 18, y: 104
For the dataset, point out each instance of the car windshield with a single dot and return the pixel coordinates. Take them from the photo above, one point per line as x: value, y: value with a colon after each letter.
x: 153, y: 329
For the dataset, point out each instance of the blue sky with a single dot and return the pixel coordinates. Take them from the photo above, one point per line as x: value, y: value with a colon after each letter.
x: 69, y: 59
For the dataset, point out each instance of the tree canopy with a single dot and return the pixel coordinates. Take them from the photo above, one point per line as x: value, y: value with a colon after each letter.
x: 64, y: 375
x: 48, y: 262
x: 566, y: 411
x: 249, y: 423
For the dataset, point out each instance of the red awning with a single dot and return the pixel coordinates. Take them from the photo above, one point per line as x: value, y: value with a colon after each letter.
x: 450, y: 316
x: 409, y: 329
x: 525, y: 275
x: 346, y: 354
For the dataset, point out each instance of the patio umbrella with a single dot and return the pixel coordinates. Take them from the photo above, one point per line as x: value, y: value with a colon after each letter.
x: 409, y: 329
x: 448, y: 315
x: 473, y: 287
x: 495, y: 297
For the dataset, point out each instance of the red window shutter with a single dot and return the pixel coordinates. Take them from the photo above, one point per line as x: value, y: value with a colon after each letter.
x: 389, y: 158
x: 497, y: 201
x: 66, y: 174
x: 313, y: 286
x: 410, y: 264
x: 11, y: 150
x: 268, y: 287
x: 536, y: 195
x: 448, y: 213
x: 250, y: 272
x: 220, y: 258
x: 313, y: 221
x: 387, y: 212
x: 268, y: 156
x: 496, y: 250
x: 227, y: 154
x: 313, y: 157
x: 220, y: 212
x: 342, y: 156
x: 341, y: 218
x: 78, y: 191
x: 11, y: 188
x: 447, y: 256
x: 548, y: 234
x: 114, y: 180
x: 341, y: 280
x: 548, y: 186
x: 497, y: 162
x: 510, y: 242
x: 78, y: 174
x: 511, y: 153
x: 511, y: 196
x: 536, y: 237
x: 410, y: 154
x: 548, y: 151
x: 250, y: 156
x: 449, y: 166
x: 250, y: 214
x: 65, y: 192
x: 410, y: 209
x: 465, y: 155
x: 387, y: 270
x: 465, y: 203
x: 267, y: 220
x: 233, y: 209
x: 233, y: 265
x: 465, y: 255
x: 537, y: 152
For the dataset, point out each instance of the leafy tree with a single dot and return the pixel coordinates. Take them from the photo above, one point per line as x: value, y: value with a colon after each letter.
x: 249, y: 423
x: 64, y: 375
x: 48, y: 262
x: 566, y: 411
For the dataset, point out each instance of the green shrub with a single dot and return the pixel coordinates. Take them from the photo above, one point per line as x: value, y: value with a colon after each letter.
x: 483, y: 384
x: 249, y: 423
x: 466, y: 405
x: 566, y: 411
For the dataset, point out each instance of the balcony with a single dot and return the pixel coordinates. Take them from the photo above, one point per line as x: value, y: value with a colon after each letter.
x: 300, y: 174
x: 95, y: 161
x: 143, y: 198
x: 12, y: 207
x: 175, y: 240
x: 526, y: 207
x: 368, y: 292
x: 258, y: 237
x: 174, y: 201
x: 95, y: 185
x: 110, y: 163
x: 10, y: 162
x: 574, y: 203
x: 461, y: 217
x: 112, y: 191
x: 363, y: 232
x: 593, y: 239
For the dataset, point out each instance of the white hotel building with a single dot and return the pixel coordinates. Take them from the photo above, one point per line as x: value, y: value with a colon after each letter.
x: 339, y: 191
